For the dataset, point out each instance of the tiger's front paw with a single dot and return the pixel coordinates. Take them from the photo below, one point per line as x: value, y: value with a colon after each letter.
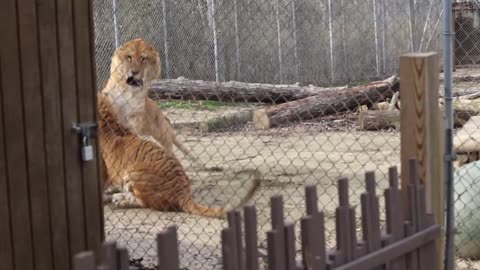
x: 125, y: 200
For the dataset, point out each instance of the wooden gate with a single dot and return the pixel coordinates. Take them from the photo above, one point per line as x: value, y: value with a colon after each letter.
x: 49, y: 197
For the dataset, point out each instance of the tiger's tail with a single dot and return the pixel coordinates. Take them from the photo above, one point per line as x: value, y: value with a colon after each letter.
x: 192, y: 207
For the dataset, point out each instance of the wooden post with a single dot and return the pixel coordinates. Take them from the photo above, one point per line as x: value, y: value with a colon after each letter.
x: 422, y: 132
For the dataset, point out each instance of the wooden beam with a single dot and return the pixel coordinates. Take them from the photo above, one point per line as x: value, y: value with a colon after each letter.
x: 421, y: 129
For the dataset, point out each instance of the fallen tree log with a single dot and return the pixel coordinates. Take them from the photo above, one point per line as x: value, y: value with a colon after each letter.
x: 379, y: 120
x: 227, y: 121
x: 232, y: 91
x: 325, y: 103
x: 463, y: 93
x: 457, y: 78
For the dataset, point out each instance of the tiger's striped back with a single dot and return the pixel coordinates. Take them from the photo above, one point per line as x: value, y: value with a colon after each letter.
x: 156, y: 177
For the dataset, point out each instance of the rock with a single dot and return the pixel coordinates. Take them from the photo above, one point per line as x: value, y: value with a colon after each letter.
x: 467, y: 210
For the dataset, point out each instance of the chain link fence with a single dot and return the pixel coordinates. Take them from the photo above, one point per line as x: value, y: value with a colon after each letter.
x: 268, y: 47
x: 466, y: 25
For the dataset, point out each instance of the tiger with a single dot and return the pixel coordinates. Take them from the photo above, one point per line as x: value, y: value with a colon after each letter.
x: 150, y: 176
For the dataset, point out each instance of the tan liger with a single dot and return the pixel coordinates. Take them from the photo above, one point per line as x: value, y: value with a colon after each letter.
x: 151, y: 176
x: 135, y: 65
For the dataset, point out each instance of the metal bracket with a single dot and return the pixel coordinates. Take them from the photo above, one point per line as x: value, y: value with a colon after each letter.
x: 86, y: 129
x: 452, y: 157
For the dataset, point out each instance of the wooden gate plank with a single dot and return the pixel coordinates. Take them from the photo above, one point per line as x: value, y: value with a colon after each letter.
x: 251, y: 250
x: 228, y: 255
x: 395, y: 250
x: 35, y: 138
x: 234, y: 222
x: 394, y: 212
x: 276, y: 250
x: 6, y: 248
x: 370, y: 216
x: 53, y: 131
x: 345, y: 226
x: 14, y: 136
x: 85, y: 71
x: 72, y: 159
x: 167, y: 246
x: 313, y: 231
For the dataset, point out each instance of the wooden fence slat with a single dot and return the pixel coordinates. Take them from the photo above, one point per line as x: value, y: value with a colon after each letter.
x: 123, y: 261
x: 239, y: 240
x: 289, y: 232
x: 276, y: 250
x: 84, y: 52
x: 276, y: 207
x: 421, y: 208
x: 394, y: 250
x: 6, y: 255
x: 342, y: 187
x: 167, y: 247
x: 227, y: 249
x: 313, y: 249
x: 22, y: 246
x: 413, y: 221
x: 370, y: 215
x: 428, y: 251
x: 251, y: 240
x: 109, y: 255
x: 345, y: 226
x: 315, y: 227
x: 236, y: 238
x: 424, y: 262
x: 394, y: 215
x: 311, y: 199
x: 411, y: 259
x: 277, y: 217
x: 84, y: 261
x: 413, y: 202
x: 319, y: 226
x: 71, y: 155
x: 306, y: 242
x: 361, y: 249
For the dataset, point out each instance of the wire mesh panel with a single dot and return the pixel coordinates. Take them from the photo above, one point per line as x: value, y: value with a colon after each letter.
x: 467, y: 33
x: 465, y: 85
x: 286, y: 92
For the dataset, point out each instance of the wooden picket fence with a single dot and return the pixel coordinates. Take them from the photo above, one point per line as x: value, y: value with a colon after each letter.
x: 406, y: 243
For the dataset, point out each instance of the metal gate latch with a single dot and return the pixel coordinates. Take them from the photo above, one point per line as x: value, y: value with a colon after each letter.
x: 86, y: 131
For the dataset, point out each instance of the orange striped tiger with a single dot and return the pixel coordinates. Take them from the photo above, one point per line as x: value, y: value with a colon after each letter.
x: 151, y: 176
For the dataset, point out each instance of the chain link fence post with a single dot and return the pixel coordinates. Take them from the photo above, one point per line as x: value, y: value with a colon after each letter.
x: 449, y: 154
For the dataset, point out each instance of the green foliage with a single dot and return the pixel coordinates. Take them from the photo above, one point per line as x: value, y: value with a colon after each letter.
x: 209, y: 105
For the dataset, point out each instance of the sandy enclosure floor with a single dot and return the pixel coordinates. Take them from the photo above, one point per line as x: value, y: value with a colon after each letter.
x: 314, y: 152
x: 288, y: 158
